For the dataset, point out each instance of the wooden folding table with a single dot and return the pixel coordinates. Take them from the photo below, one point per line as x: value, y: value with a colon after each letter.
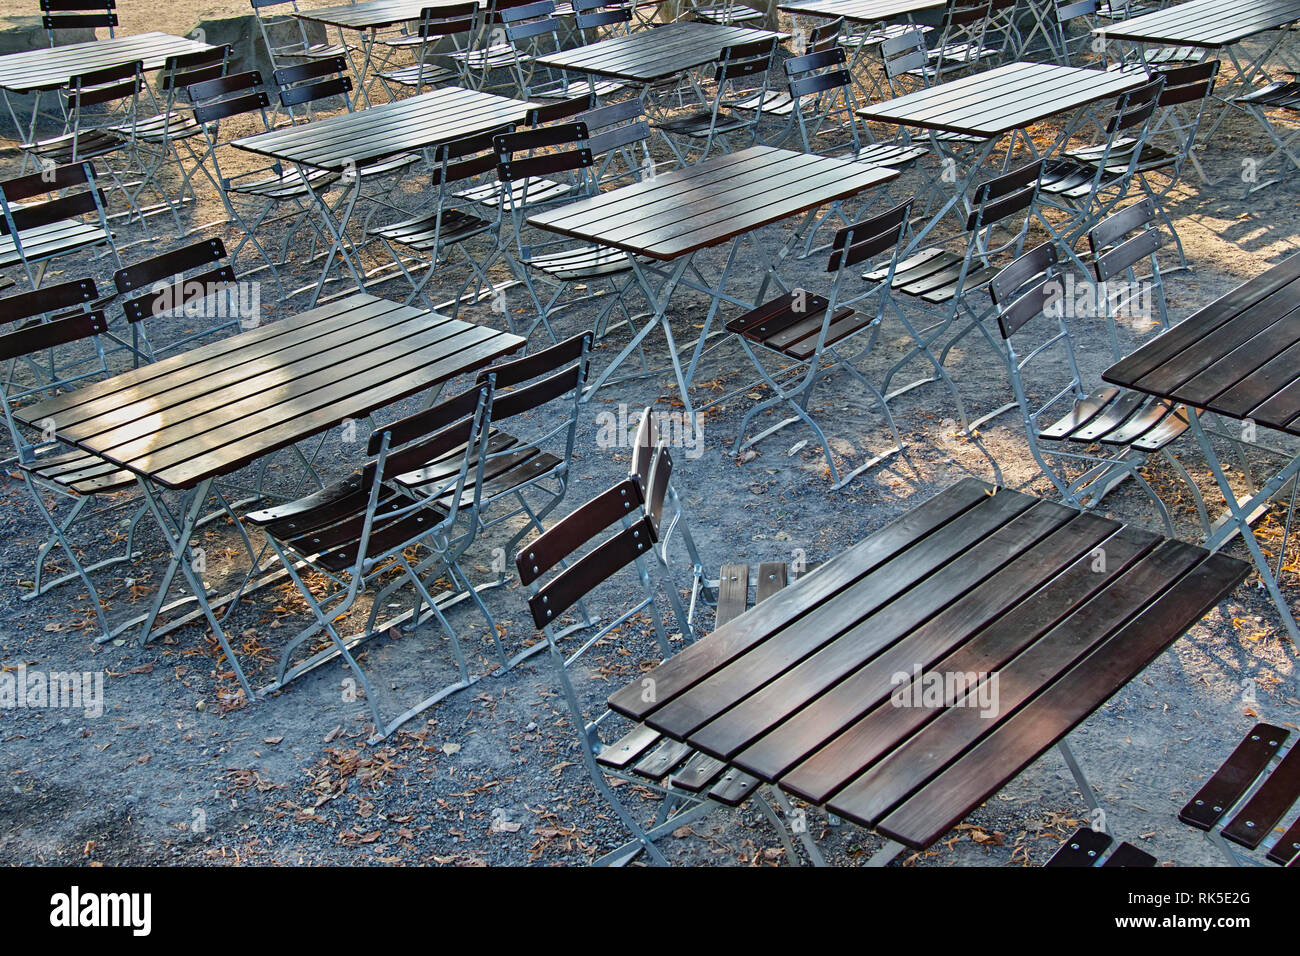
x: 661, y: 223
x: 184, y: 422
x: 1239, y: 357
x: 1028, y: 614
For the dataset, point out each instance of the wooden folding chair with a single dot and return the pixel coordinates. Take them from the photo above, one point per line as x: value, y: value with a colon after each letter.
x: 42, y: 358
x: 437, y: 27
x: 692, y: 785
x: 807, y: 337
x: 449, y: 219
x: 943, y: 281
x: 1117, y: 246
x: 532, y: 31
x: 360, y: 531
x: 696, y: 134
x: 93, y: 15
x: 1062, y: 427
x: 52, y: 214
x: 516, y: 467
x: 1249, y: 798
x: 286, y: 37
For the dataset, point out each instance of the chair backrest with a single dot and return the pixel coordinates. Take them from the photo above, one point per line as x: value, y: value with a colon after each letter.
x: 1119, y: 244
x: 618, y: 136
x: 315, y: 80
x: 559, y: 110
x: 448, y: 21
x: 185, y: 280
x: 226, y: 96
x: 905, y: 61
x: 186, y: 69
x: 600, y: 19
x: 742, y: 60
x: 1001, y: 197
x: 77, y: 15
x: 48, y: 300
x: 53, y: 195
x: 866, y: 239
x: 110, y: 95
x: 537, y: 154
x: 454, y: 424
x: 1031, y: 290
x: 55, y: 356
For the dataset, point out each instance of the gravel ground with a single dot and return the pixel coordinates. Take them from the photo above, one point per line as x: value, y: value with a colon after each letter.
x: 178, y: 769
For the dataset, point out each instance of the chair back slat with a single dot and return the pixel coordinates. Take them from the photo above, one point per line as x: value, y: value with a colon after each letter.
x: 48, y: 298
x: 577, y: 528
x: 1111, y: 229
x: 536, y: 364
x: 661, y: 473
x: 428, y: 421
x: 868, y: 238
x: 168, y: 264
x: 1029, y: 305
x: 1023, y: 271
x: 592, y: 569
x: 56, y: 210
x: 22, y: 188
x: 745, y: 59
x: 448, y: 21
x: 564, y: 109
x: 42, y: 336
x: 525, y: 399
x: 821, y: 83
x: 643, y: 446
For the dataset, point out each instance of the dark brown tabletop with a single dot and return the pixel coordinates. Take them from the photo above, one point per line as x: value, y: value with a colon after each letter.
x: 417, y: 122
x: 213, y: 410
x: 49, y: 69
x: 654, y: 54
x: 1239, y: 356
x: 704, y: 205
x: 1206, y: 23
x: 371, y: 14
x: 812, y: 688
x: 861, y: 11
x: 1003, y: 99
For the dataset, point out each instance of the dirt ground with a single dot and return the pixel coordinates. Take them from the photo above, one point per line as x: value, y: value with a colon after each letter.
x: 179, y: 769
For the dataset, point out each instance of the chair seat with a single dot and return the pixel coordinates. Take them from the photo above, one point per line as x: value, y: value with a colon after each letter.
x: 889, y: 154
x: 774, y: 103
x: 178, y: 124
x: 1284, y: 94
x: 288, y: 184
x: 535, y: 190
x: 564, y: 91
x: 491, y: 57
x: 697, y: 125
x: 70, y: 148
x: 80, y: 472
x: 419, y: 74
x: 933, y: 275
x: 960, y: 53
x: 389, y: 164
x: 584, y: 262
x: 328, y: 523
x: 55, y: 239
x: 424, y: 232
x: 780, y: 326
x: 1114, y: 416
x: 1175, y: 54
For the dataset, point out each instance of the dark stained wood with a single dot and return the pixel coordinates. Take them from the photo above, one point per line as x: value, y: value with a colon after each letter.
x: 1236, y: 356
x: 1003, y: 99
x: 802, y: 690
x: 1084, y: 848
x: 219, y: 407
x: 1231, y: 781
x: 49, y: 69
x: 707, y: 204
x: 1204, y: 23
x: 1270, y: 802
x: 733, y: 593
